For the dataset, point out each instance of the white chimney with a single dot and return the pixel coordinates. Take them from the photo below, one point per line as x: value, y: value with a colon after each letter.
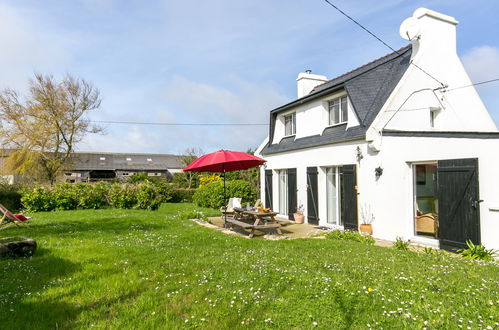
x: 306, y: 81
x: 430, y: 32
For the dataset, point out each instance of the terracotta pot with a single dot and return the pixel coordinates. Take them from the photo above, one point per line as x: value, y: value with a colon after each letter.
x: 299, y: 217
x: 366, y: 229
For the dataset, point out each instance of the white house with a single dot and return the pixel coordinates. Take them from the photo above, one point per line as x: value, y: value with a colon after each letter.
x: 404, y: 139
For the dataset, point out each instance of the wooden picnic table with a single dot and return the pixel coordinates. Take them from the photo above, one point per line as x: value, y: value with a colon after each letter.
x: 257, y: 220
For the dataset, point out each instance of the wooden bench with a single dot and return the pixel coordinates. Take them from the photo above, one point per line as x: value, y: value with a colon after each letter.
x: 239, y: 223
x: 253, y: 227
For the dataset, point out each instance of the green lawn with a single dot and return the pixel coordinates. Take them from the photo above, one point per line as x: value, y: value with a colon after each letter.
x: 143, y: 269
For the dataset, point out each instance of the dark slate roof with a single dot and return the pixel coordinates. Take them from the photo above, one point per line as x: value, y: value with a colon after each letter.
x: 87, y: 161
x: 368, y: 88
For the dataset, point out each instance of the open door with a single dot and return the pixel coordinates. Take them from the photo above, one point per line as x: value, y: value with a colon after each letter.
x: 291, y: 193
x: 312, y: 200
x: 268, y: 188
x: 348, y: 178
x: 459, y: 212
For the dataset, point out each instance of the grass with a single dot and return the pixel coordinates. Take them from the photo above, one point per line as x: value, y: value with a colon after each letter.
x: 143, y: 269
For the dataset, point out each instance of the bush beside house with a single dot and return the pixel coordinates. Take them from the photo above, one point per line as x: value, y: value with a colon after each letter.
x: 212, y: 194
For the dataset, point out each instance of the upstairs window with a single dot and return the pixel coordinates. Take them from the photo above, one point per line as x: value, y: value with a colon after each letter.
x: 290, y: 124
x: 338, y: 111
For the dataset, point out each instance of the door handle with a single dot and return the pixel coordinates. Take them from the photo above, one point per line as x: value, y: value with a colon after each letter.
x: 475, y: 203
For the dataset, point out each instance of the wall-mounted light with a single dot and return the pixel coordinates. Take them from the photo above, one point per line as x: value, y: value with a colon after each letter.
x: 378, y: 171
x: 359, y: 154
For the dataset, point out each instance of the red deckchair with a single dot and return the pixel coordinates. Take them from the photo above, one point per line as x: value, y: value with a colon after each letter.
x: 9, y: 219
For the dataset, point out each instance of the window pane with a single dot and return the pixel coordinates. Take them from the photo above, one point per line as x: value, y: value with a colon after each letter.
x: 287, y: 125
x: 334, y: 112
x: 344, y: 109
x: 293, y: 131
x: 332, y: 196
x: 283, y: 192
x: 425, y: 200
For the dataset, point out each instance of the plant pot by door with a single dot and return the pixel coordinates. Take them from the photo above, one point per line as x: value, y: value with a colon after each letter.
x: 299, y: 217
x: 366, y: 229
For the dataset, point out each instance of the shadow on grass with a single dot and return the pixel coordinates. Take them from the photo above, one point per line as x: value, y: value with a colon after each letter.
x: 23, y: 280
x: 100, y: 225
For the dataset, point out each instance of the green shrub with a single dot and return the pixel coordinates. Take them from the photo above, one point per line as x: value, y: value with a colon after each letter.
x: 92, y: 196
x: 182, y: 195
x: 346, y: 235
x: 164, y: 189
x: 65, y: 196
x: 122, y: 195
x: 212, y: 194
x: 147, y: 196
x: 38, y: 199
x: 10, y: 196
x: 478, y: 252
x: 400, y: 244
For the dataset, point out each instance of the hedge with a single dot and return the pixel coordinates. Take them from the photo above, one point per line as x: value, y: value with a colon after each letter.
x: 212, y: 194
x: 67, y: 196
x: 10, y: 196
x: 182, y: 195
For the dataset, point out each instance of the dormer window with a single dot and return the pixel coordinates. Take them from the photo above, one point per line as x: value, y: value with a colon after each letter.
x: 290, y: 124
x: 338, y: 111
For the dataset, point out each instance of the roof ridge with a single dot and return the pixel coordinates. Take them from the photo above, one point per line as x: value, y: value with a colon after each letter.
x: 366, y: 64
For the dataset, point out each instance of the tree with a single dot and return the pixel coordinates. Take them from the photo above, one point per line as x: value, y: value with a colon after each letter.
x: 44, y: 128
x: 189, y: 156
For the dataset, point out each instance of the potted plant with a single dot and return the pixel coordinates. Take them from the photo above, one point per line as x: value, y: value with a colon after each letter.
x: 298, y: 215
x: 367, y: 218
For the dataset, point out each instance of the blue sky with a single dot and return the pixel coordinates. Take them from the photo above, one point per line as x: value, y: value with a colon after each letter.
x: 227, y: 61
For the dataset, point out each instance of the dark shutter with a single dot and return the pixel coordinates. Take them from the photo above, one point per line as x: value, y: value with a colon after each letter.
x: 268, y: 188
x: 348, y: 178
x: 458, y: 202
x: 291, y: 193
x: 312, y: 198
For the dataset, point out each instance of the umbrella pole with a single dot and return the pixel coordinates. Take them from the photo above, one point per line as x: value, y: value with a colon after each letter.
x: 225, y: 201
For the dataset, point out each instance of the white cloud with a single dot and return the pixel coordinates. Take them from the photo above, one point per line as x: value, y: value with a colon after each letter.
x: 482, y: 64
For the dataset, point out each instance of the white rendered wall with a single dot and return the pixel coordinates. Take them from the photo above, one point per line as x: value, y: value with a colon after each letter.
x: 436, y: 61
x: 390, y: 197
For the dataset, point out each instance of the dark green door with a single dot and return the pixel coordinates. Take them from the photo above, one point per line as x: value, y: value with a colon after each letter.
x: 268, y: 188
x: 458, y: 203
x: 348, y: 193
x: 312, y: 201
x: 291, y: 192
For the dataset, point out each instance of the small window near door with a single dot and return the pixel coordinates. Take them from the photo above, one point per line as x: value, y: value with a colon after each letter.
x: 425, y: 200
x: 283, y: 191
x: 333, y: 195
x: 290, y: 124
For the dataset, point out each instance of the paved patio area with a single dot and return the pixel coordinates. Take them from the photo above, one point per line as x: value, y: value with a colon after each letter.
x: 289, y: 230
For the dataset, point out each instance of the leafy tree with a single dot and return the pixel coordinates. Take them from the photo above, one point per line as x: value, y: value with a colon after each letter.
x: 190, y: 155
x: 44, y: 127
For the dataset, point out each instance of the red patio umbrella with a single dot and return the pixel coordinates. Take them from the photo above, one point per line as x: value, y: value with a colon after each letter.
x: 224, y: 161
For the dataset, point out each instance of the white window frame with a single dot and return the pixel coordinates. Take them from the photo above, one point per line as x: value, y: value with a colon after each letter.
x: 337, y: 221
x: 293, y: 123
x: 341, y: 112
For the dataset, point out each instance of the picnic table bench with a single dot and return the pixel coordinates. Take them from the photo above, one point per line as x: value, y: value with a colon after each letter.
x: 261, y: 220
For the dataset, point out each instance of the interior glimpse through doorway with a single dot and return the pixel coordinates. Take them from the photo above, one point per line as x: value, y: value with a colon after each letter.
x: 425, y: 200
